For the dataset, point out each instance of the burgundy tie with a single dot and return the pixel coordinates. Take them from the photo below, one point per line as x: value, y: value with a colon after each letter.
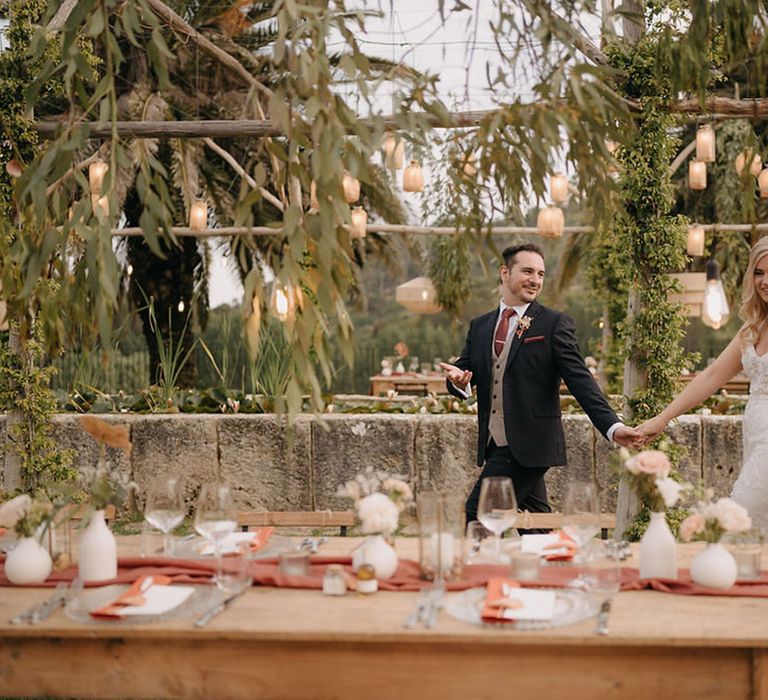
x: 501, y: 331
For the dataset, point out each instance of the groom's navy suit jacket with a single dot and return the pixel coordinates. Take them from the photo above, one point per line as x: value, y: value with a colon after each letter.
x: 539, y: 357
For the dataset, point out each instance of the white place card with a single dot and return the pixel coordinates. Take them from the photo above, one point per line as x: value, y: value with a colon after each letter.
x: 158, y: 600
x: 536, y: 605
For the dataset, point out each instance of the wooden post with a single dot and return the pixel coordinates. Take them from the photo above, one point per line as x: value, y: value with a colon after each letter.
x: 13, y: 419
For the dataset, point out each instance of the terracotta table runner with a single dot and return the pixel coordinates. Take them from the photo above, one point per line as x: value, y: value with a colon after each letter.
x: 266, y: 572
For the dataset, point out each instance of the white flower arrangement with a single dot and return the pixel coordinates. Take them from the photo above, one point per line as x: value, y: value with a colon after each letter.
x: 710, y: 520
x: 379, y: 499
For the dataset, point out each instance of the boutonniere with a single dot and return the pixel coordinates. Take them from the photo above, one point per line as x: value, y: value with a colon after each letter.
x: 522, y: 326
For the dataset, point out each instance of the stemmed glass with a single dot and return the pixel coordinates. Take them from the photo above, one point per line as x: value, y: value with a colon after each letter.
x: 497, y: 507
x: 215, y: 517
x: 581, y: 513
x: 164, y: 509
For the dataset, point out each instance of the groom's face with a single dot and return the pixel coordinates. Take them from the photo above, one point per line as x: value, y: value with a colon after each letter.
x: 521, y: 281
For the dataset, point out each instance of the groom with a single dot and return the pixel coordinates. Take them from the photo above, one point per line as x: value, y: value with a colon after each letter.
x: 515, y: 355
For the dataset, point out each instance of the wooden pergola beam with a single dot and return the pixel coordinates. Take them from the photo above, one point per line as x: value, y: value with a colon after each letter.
x: 715, y: 107
x: 183, y: 231
x: 228, y: 128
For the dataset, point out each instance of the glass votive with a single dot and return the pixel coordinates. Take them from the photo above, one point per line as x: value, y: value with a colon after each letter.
x: 747, y: 556
x: 294, y: 563
x: 525, y: 566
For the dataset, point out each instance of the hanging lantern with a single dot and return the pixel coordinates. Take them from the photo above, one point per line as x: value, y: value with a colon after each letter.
x: 96, y: 172
x: 13, y: 168
x: 394, y: 152
x: 558, y: 188
x: 714, y: 310
x: 314, y: 205
x: 550, y: 222
x: 198, y: 215
x: 705, y: 144
x: 697, y: 175
x: 695, y: 239
x: 762, y: 182
x: 100, y: 206
x: 418, y: 295
x: 359, y: 222
x: 351, y: 187
x: 754, y: 159
x: 413, y: 179
x: 693, y: 284
x: 285, y: 300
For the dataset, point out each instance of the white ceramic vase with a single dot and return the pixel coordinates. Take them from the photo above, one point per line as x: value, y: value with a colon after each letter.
x: 714, y: 567
x: 377, y: 552
x: 97, y: 556
x: 28, y: 562
x: 658, y: 551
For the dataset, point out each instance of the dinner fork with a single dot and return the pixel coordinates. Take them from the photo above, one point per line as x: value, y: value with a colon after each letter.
x: 419, y: 611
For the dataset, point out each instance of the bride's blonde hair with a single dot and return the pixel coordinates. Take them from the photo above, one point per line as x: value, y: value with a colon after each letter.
x: 754, y: 310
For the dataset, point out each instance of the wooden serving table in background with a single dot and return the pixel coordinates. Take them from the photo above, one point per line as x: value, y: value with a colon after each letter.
x: 279, y: 643
x: 409, y: 383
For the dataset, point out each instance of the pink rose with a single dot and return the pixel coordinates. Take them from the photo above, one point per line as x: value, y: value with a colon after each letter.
x: 652, y: 462
x: 692, y: 525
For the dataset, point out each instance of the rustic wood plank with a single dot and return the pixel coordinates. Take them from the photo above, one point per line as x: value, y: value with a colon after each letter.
x: 312, y: 518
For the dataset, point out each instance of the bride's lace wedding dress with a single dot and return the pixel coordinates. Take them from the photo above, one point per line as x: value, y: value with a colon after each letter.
x: 751, y: 488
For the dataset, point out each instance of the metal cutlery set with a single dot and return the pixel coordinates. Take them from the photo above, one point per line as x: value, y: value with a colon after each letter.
x: 61, y: 596
x: 427, y: 606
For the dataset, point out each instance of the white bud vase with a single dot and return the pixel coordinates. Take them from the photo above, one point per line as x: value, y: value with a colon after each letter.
x: 28, y: 562
x: 377, y: 552
x: 97, y: 556
x: 658, y: 550
x: 714, y: 567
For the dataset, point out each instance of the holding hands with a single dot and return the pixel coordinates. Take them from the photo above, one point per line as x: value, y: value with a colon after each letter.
x: 650, y: 430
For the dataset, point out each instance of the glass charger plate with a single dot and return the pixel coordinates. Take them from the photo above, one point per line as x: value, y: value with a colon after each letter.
x: 79, y: 608
x: 195, y: 547
x: 571, y: 606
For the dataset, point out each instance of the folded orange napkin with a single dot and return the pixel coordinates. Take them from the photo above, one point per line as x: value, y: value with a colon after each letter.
x: 261, y: 537
x: 133, y: 596
x: 563, y: 550
x: 497, y: 599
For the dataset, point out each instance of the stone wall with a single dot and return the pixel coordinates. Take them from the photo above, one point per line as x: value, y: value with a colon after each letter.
x: 273, y: 469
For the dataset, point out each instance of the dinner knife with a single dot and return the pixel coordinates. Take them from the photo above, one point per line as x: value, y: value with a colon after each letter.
x: 602, y: 618
x: 214, y: 610
x: 34, y: 612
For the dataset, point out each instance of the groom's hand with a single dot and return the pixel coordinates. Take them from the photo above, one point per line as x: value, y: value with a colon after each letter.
x: 456, y: 376
x: 628, y: 437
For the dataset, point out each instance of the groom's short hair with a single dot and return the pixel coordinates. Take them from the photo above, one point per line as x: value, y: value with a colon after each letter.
x: 509, y: 254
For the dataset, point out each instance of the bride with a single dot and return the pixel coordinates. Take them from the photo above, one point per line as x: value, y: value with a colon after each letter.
x: 747, y: 352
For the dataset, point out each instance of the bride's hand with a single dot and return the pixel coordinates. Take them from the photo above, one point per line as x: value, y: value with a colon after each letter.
x: 651, y: 429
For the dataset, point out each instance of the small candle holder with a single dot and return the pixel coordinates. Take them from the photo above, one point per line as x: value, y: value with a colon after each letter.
x: 294, y: 563
x: 525, y: 566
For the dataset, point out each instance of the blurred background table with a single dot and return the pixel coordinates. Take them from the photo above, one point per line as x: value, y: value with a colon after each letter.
x: 408, y: 383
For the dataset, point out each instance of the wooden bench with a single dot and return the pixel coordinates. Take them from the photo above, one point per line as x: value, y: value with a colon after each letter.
x: 302, y: 518
x: 552, y: 521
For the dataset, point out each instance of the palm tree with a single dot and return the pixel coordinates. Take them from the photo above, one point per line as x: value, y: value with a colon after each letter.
x: 174, y: 274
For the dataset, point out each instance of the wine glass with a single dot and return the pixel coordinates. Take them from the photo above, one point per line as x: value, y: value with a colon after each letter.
x: 164, y: 509
x: 497, y: 507
x: 581, y: 512
x: 215, y: 517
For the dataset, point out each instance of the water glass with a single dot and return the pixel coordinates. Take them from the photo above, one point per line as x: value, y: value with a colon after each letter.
x: 525, y: 566
x: 747, y: 548
x: 164, y: 509
x: 232, y: 569
x: 602, y: 576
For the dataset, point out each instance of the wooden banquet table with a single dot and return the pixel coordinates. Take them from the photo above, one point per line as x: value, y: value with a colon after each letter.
x: 289, y: 643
